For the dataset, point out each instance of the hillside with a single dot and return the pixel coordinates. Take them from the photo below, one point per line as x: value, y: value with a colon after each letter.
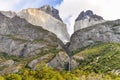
x: 100, y: 58
x: 97, y: 62
x: 103, y: 32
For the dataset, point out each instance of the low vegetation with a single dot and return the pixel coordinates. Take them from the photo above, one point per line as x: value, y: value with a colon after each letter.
x: 101, y: 58
x: 44, y: 73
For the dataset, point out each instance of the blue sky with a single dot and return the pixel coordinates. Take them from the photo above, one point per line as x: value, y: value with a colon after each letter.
x: 17, y: 5
x: 36, y: 3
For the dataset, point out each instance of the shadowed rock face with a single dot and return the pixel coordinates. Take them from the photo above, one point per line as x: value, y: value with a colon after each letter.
x: 86, y: 19
x: 46, y: 8
x: 88, y: 13
x: 103, y: 32
x: 47, y: 17
x: 9, y: 14
x: 42, y: 17
x: 52, y: 11
x: 18, y: 37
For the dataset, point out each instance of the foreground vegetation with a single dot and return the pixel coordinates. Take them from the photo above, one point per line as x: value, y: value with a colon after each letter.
x: 44, y: 73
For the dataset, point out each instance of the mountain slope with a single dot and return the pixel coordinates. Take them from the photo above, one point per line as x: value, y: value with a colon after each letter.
x: 22, y: 42
x: 42, y: 17
x: 103, y: 32
x: 100, y: 58
x: 46, y: 16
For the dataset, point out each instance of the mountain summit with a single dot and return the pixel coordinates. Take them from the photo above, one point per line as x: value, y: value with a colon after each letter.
x: 86, y: 19
x: 48, y: 18
x: 88, y: 15
x: 51, y: 10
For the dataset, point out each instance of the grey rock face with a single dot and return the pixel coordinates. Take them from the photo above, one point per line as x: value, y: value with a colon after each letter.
x: 86, y: 19
x: 18, y: 37
x: 60, y: 61
x: 86, y: 14
x: 9, y: 14
x: 34, y: 62
x: 7, y: 67
x: 104, y: 32
x: 47, y: 17
x: 41, y: 18
x: 7, y: 63
x: 50, y: 10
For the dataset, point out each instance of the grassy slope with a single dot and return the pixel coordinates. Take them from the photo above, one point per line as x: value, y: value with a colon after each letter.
x: 101, y: 58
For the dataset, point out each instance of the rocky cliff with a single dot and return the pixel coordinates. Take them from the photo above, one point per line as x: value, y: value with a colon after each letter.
x: 48, y: 18
x: 9, y: 14
x: 51, y: 10
x: 102, y: 32
x: 86, y: 19
x: 22, y: 42
x: 17, y: 33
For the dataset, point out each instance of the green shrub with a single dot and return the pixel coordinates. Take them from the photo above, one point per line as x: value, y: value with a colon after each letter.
x: 13, y: 77
x: 2, y: 78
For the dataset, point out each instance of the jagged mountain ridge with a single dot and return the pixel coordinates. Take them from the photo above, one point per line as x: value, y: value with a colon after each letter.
x: 19, y: 31
x: 89, y: 14
x: 86, y: 19
x: 102, y: 32
x: 50, y: 10
x: 47, y: 17
x: 9, y: 14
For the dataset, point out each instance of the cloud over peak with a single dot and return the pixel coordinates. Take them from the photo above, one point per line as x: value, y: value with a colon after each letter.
x: 70, y: 9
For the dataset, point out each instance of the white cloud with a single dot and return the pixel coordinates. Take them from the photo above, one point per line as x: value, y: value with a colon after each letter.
x: 108, y: 9
x: 18, y: 5
x: 8, y: 4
